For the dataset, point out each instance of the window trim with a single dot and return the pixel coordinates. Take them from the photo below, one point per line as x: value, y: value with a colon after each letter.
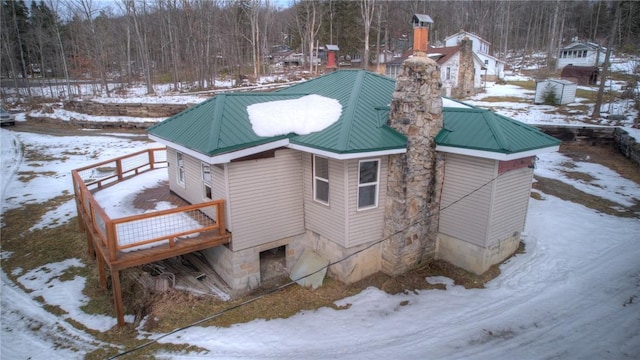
x: 376, y: 184
x: 180, y: 173
x: 316, y: 178
x: 206, y: 184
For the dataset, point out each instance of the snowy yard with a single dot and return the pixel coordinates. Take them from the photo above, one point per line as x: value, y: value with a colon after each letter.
x: 573, y: 294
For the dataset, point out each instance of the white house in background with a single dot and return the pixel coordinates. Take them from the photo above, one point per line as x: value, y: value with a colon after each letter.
x: 449, y: 60
x: 581, y: 53
x: 493, y: 68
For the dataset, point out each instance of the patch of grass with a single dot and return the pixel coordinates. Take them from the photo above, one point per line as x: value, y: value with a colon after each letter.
x: 36, y: 155
x: 529, y: 85
x: 26, y: 176
x: 76, y: 152
x: 54, y: 309
x: 604, y: 155
x: 537, y: 196
x: 587, y: 94
x: 577, y: 175
x: 32, y: 249
x: 567, y: 192
x: 505, y: 98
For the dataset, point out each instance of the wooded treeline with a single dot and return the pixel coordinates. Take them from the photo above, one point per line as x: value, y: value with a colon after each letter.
x: 195, y: 42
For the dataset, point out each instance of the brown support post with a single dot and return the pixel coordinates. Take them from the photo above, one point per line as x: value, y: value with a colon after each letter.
x: 222, y: 228
x: 117, y: 296
x: 101, y: 274
x: 90, y: 249
x: 152, y: 160
x: 119, y: 169
x: 111, y: 239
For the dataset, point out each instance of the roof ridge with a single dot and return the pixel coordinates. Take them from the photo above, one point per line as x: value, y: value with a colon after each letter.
x: 496, y: 130
x: 348, y: 120
x: 214, y: 133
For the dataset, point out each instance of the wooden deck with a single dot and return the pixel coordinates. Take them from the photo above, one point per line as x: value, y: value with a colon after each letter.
x: 121, y: 243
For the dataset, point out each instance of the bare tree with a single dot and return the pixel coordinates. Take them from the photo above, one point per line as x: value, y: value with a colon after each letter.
x: 308, y: 21
x: 605, y: 66
x: 367, y: 9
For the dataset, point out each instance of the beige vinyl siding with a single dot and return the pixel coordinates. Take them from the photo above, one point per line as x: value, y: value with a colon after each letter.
x: 326, y: 220
x: 265, y: 199
x: 365, y: 225
x: 192, y: 190
x: 467, y: 219
x: 510, y: 203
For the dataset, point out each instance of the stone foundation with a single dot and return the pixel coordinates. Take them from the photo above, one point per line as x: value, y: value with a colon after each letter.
x: 474, y: 258
x: 351, y: 270
x: 241, y: 269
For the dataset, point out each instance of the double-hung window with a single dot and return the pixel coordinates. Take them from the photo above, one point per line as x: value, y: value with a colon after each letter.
x: 180, y: 168
x: 368, y: 183
x: 206, y: 181
x: 321, y: 179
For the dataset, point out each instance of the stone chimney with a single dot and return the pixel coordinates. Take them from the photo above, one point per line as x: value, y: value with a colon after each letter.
x: 414, y: 180
x: 466, y: 71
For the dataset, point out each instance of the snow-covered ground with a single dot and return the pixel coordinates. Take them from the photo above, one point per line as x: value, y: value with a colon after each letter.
x: 574, y: 293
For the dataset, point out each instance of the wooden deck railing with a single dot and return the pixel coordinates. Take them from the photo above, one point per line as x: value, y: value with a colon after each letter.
x: 165, y: 233
x: 112, y: 171
x: 144, y: 230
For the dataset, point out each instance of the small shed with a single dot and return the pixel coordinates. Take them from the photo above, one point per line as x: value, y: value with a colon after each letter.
x: 564, y: 90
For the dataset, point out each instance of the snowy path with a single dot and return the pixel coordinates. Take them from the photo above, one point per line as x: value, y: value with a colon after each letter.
x: 11, y: 159
x: 566, y: 297
x: 29, y: 331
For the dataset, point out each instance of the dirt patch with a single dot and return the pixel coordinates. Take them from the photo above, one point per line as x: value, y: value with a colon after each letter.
x: 58, y: 129
x: 603, y: 155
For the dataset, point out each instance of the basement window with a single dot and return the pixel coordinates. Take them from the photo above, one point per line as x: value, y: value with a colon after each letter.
x: 321, y: 179
x: 273, y: 264
x: 368, y: 183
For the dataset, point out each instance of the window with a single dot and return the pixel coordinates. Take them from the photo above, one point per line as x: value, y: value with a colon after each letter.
x: 206, y: 181
x: 448, y: 76
x: 486, y: 62
x: 321, y: 179
x: 369, y: 173
x: 180, y: 173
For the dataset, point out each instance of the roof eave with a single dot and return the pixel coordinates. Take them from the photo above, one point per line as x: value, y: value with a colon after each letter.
x: 496, y: 155
x: 230, y: 156
x: 348, y: 155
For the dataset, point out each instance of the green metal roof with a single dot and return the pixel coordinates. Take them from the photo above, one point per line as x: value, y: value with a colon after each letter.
x: 480, y: 129
x: 361, y: 94
x: 218, y: 125
x: 221, y: 124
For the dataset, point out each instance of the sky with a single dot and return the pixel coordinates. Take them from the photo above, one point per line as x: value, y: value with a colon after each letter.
x: 573, y: 294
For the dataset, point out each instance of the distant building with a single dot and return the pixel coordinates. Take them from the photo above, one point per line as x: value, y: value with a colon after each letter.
x: 451, y: 73
x: 581, y: 54
x: 493, y: 67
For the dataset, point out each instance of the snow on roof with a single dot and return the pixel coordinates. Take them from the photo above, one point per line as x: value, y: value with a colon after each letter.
x: 301, y: 116
x: 450, y: 103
